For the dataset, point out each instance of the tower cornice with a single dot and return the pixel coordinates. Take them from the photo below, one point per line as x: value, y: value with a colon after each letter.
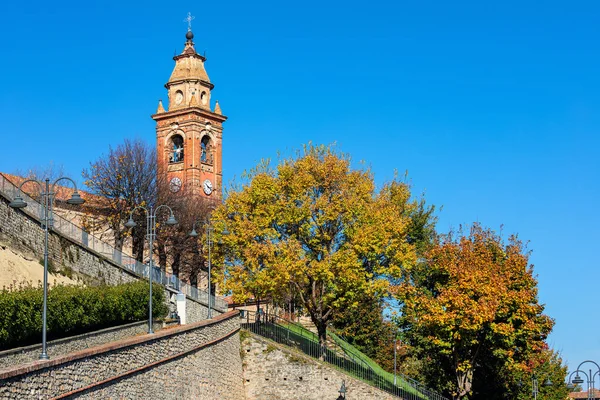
x: 189, y: 55
x: 190, y: 80
x: 185, y: 111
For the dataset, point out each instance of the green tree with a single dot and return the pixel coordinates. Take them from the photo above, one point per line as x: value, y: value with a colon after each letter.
x: 314, y: 223
x: 471, y: 312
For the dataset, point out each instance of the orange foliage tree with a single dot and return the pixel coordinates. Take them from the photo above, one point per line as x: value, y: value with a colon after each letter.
x: 470, y: 306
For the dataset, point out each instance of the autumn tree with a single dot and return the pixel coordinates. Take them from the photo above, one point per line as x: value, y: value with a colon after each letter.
x: 515, y: 380
x: 186, y: 256
x: 471, y: 312
x: 318, y: 225
x: 122, y: 179
x: 368, y: 330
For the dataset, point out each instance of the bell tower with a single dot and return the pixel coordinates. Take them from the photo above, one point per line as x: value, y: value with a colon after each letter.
x: 188, y: 132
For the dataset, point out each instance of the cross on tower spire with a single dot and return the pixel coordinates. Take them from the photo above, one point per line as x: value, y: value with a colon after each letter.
x: 189, y: 19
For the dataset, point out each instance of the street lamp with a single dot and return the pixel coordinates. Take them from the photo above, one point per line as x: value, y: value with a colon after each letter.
x: 591, y: 378
x: 534, y: 385
x: 48, y: 195
x: 151, y: 234
x: 194, y: 234
x: 396, y: 345
x: 342, y: 391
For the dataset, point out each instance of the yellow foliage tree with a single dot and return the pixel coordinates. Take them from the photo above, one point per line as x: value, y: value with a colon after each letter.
x: 317, y: 226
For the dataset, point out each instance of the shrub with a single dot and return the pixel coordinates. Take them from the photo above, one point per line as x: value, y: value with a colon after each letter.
x: 73, y: 310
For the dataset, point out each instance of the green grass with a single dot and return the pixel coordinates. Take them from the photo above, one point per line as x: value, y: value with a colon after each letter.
x: 357, y: 354
x: 367, y: 360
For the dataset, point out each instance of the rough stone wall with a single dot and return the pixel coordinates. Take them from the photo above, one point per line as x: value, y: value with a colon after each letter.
x: 25, y: 230
x: 71, y: 344
x: 201, y: 361
x: 195, y: 312
x: 272, y: 372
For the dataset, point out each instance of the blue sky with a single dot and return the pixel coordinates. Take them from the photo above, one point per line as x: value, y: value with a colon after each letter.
x: 492, y: 108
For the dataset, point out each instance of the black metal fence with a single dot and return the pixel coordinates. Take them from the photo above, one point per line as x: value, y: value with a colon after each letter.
x: 335, y: 352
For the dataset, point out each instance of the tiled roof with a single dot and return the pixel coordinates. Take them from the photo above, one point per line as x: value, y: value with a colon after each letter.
x: 584, y: 394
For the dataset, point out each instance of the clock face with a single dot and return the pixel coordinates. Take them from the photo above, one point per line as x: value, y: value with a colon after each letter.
x: 207, y: 186
x: 178, y: 97
x: 175, y: 185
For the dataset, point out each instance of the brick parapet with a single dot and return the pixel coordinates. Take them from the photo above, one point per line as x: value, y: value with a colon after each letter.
x: 71, y: 344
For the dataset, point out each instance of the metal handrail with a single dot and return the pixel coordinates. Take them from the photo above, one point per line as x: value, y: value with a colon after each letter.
x: 416, y: 384
x: 293, y: 334
x: 80, y: 236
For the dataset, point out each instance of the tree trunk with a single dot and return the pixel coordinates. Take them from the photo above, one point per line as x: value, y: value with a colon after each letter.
x: 464, y: 382
x: 117, y: 252
x: 162, y: 256
x: 257, y: 318
x: 176, y: 263
x: 138, y: 242
x: 322, y: 332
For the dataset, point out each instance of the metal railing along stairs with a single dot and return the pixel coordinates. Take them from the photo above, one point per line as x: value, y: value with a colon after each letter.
x: 80, y: 236
x: 336, y: 352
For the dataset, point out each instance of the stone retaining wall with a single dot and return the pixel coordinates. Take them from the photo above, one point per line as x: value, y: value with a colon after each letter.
x: 25, y: 230
x: 272, y: 371
x: 200, y: 360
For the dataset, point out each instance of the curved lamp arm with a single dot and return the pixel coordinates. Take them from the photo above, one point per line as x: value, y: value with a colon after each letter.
x: 75, y: 197
x: 131, y: 223
x: 589, y: 361
x: 18, y: 201
x: 170, y: 221
x: 579, y: 380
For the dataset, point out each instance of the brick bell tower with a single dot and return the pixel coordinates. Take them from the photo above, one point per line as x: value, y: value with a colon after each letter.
x: 188, y: 133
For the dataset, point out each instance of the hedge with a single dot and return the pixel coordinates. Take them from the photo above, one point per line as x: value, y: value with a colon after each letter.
x: 73, y: 310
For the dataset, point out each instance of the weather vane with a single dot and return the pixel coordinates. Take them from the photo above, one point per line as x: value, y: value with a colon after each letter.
x: 189, y: 19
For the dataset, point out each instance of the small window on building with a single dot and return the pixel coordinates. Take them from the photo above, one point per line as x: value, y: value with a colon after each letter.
x: 206, y: 153
x: 176, y: 151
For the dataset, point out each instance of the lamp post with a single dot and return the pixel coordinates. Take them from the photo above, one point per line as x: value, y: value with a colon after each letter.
x: 151, y: 234
x: 590, y: 378
x: 342, y: 391
x: 534, y: 385
x: 395, y: 351
x: 194, y: 234
x: 48, y: 195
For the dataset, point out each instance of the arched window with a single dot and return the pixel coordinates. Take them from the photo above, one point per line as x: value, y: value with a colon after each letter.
x: 206, y: 155
x: 176, y: 149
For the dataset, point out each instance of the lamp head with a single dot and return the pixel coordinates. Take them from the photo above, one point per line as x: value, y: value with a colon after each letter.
x: 577, y: 380
x: 131, y: 223
x: 171, y: 221
x: 193, y: 233
x: 570, y: 386
x: 75, y: 199
x: 18, y: 203
x: 520, y: 383
x: 547, y: 383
